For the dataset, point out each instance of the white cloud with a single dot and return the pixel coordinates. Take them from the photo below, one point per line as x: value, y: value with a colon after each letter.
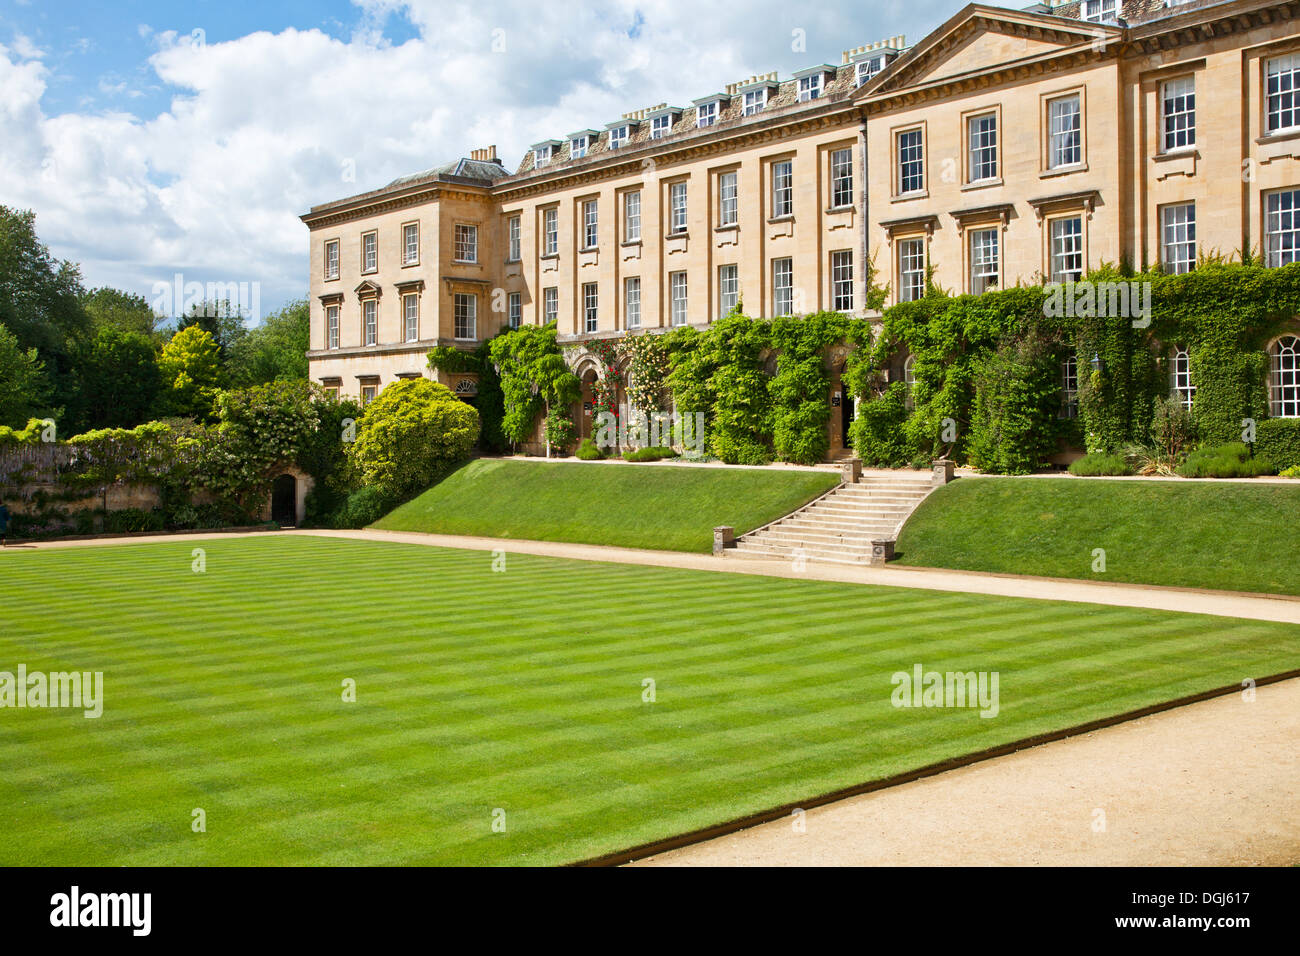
x: 259, y: 127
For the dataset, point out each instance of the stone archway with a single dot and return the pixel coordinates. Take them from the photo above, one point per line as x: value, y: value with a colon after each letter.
x: 287, y: 501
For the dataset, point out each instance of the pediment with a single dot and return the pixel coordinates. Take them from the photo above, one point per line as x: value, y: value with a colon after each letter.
x: 980, y: 39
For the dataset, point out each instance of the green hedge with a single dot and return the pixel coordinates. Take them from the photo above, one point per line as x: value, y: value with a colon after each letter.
x: 1278, y: 440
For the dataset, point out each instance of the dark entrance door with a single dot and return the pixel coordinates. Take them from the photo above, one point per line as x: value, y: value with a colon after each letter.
x: 284, y: 501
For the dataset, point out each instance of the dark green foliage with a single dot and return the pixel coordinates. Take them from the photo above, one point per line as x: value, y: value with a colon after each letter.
x: 363, y: 507
x: 1101, y: 463
x: 1278, y: 440
x: 1230, y: 460
x: 118, y: 379
x: 878, y: 435
x: 276, y: 350
x: 1017, y: 400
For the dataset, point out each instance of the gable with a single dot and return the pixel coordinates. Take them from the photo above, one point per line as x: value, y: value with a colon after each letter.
x: 981, y: 50
x: 980, y: 39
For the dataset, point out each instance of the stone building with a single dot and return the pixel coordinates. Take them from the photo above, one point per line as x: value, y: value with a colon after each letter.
x: 1006, y: 146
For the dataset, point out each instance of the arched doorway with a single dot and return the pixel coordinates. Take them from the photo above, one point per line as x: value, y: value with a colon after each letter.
x: 586, y: 414
x: 284, y: 501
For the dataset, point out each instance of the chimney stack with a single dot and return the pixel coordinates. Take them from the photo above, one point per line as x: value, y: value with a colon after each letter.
x: 487, y: 154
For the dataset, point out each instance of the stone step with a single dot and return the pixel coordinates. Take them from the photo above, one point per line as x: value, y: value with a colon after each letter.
x: 815, y: 539
x: 788, y: 554
x: 875, y: 529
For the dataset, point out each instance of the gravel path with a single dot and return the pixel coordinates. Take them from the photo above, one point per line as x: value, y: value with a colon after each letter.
x: 1212, y: 784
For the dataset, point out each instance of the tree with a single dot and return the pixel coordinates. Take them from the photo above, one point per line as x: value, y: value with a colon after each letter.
x: 276, y: 350
x: 222, y: 320
x: 23, y: 386
x: 40, y: 301
x: 411, y: 436
x: 191, y: 374
x: 119, y: 379
x: 114, y: 308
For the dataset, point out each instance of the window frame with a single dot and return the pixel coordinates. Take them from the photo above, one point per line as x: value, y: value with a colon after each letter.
x: 781, y: 172
x: 370, y: 248
x: 1181, y: 386
x: 370, y: 321
x: 1183, y: 263
x: 632, y: 303
x: 911, y: 281
x: 409, y: 258
x: 333, y: 274
x: 1284, y: 377
x: 590, y: 307
x: 841, y: 284
x: 1280, y: 257
x: 550, y: 304
x: 782, y: 266
x: 333, y: 324
x: 1053, y: 255
x: 729, y: 197
x: 514, y: 309
x: 978, y: 279
x: 514, y: 238
x: 707, y: 110
x: 748, y: 108
x: 813, y: 85
x: 469, y: 314
x: 678, y: 304
x: 1170, y: 132
x: 464, y: 238
x: 551, y: 231
x: 590, y: 224
x: 632, y: 217
x: 725, y: 279
x: 1290, y: 96
x: 841, y: 177
x: 985, y: 157
x: 677, y: 208
x: 407, y: 299
x: 901, y: 176
x: 1051, y: 164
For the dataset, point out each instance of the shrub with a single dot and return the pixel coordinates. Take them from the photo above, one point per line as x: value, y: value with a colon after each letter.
x: 411, y: 436
x: 130, y: 520
x: 1292, y: 472
x: 877, y: 433
x: 589, y: 451
x: 1173, y: 430
x: 1232, y: 460
x: 650, y: 454
x: 1017, y: 395
x: 1099, y: 464
x: 1278, y: 440
x: 740, y: 450
x: 363, y: 507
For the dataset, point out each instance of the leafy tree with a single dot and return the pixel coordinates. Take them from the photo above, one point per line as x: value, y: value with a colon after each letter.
x: 118, y: 378
x: 40, y: 300
x: 276, y: 350
x: 23, y: 386
x: 112, y: 308
x: 222, y: 320
x: 534, y: 380
x: 411, y: 436
x: 191, y: 374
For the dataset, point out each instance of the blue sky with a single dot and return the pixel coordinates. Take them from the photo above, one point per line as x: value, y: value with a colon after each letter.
x: 156, y: 138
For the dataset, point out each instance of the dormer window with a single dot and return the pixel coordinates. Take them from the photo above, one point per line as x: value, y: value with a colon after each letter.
x: 1099, y: 11
x: 660, y: 125
x: 618, y: 136
x: 578, y: 147
x: 706, y: 114
x: 542, y: 154
x: 868, y: 67
x: 810, y: 87
x: 755, y: 100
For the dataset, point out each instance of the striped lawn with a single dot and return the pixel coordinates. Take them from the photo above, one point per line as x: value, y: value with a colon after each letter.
x: 519, y: 690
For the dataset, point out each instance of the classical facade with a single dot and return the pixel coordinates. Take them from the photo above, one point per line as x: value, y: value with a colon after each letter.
x: 1007, y: 146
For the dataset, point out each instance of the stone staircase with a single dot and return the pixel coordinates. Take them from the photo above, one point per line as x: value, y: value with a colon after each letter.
x: 839, y: 526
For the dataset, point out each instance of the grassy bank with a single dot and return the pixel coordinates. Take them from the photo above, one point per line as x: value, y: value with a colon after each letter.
x: 668, y: 508
x: 1236, y: 537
